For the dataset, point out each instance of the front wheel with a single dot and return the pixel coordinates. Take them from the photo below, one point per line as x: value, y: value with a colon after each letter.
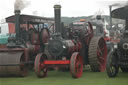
x: 111, y: 69
x: 76, y: 65
x: 40, y: 68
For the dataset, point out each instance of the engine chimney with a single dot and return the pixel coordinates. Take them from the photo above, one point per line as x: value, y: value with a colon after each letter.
x: 57, y: 15
x: 17, y: 24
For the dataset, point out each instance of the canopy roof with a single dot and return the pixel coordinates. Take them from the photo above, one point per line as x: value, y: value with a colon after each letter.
x: 30, y: 18
x: 120, y: 13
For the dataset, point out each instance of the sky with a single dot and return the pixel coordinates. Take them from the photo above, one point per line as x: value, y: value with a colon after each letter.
x: 70, y: 8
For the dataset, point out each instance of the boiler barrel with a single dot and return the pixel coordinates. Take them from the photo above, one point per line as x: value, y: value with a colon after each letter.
x: 60, y: 47
x: 72, y: 46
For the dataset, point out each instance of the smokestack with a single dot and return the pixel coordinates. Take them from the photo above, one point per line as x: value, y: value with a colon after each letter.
x: 57, y: 15
x: 17, y: 24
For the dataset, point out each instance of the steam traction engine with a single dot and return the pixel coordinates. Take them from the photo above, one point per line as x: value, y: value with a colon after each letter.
x: 118, y: 56
x: 23, y: 44
x: 79, y: 47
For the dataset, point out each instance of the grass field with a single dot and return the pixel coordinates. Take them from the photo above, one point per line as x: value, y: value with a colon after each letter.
x: 64, y: 78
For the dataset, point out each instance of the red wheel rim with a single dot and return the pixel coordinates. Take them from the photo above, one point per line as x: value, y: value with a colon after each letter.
x: 39, y: 66
x: 45, y: 35
x: 76, y: 65
x: 102, y: 54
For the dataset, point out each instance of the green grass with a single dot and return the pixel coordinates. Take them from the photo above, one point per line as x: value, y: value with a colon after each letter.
x: 64, y: 78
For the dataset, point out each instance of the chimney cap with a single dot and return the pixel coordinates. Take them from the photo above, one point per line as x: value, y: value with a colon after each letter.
x: 57, y: 6
x: 17, y: 11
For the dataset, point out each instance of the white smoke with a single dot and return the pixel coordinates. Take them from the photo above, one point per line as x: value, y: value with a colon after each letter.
x: 99, y: 12
x: 35, y: 12
x: 21, y: 4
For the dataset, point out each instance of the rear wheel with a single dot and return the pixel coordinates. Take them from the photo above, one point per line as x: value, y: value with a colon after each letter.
x: 40, y: 68
x: 97, y: 54
x: 111, y: 69
x: 76, y: 65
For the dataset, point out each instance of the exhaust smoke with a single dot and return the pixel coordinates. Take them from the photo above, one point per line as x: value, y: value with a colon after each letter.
x: 21, y: 4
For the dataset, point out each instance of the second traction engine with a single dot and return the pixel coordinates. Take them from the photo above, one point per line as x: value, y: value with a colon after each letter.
x: 71, y: 49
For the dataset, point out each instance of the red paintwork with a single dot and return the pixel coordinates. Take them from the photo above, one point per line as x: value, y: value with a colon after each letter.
x: 11, y: 27
x: 56, y: 62
x: 102, y: 58
x: 107, y: 38
x: 41, y: 65
x: 76, y: 65
x: 115, y: 40
x: 72, y: 47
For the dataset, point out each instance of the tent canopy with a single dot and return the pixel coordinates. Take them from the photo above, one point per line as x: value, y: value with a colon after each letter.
x: 120, y: 13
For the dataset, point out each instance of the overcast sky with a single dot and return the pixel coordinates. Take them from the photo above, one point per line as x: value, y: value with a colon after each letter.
x: 71, y: 8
